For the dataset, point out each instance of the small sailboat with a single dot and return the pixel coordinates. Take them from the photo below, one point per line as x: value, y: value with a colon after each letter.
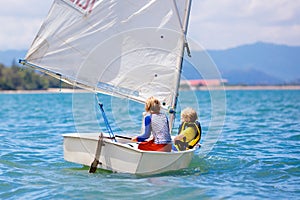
x: 123, y: 48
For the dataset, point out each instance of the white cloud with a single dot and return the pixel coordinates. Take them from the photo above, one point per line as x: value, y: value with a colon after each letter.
x: 215, y: 24
x: 219, y: 24
x: 20, y: 22
x: 18, y: 36
x: 26, y: 9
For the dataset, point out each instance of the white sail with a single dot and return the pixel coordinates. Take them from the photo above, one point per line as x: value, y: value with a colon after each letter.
x: 98, y: 44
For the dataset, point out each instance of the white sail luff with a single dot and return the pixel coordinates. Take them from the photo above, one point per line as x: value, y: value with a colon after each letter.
x: 180, y: 61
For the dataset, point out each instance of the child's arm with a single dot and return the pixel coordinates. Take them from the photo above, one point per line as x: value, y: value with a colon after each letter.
x: 147, y: 132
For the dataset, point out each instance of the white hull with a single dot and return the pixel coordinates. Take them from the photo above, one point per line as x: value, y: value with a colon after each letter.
x: 121, y: 157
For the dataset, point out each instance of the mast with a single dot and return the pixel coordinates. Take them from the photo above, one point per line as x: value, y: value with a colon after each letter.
x: 184, y: 27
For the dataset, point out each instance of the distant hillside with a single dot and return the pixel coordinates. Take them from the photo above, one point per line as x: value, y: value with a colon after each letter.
x: 259, y: 63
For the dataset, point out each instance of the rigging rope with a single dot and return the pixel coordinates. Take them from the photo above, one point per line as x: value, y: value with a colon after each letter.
x: 108, y: 128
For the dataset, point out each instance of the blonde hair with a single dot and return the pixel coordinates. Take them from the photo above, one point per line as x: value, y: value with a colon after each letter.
x: 152, y: 105
x: 189, y: 115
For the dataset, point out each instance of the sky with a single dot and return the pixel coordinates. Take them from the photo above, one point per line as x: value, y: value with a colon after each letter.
x: 214, y: 24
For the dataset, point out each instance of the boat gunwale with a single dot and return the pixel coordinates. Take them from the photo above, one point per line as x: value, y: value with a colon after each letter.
x: 107, y: 140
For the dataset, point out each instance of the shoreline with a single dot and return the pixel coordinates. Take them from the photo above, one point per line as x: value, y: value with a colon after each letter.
x: 49, y: 90
x: 256, y: 87
x: 201, y: 88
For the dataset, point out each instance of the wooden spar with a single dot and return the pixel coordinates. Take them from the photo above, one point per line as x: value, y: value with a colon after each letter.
x: 96, y: 161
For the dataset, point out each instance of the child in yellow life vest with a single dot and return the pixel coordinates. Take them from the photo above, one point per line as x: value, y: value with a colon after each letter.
x: 189, y: 132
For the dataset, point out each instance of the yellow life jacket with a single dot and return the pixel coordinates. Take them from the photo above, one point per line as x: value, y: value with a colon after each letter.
x: 184, y: 145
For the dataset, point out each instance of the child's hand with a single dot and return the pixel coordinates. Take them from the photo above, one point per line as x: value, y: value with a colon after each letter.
x: 134, y: 139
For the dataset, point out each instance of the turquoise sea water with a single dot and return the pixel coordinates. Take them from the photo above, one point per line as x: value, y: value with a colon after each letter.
x: 256, y: 156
